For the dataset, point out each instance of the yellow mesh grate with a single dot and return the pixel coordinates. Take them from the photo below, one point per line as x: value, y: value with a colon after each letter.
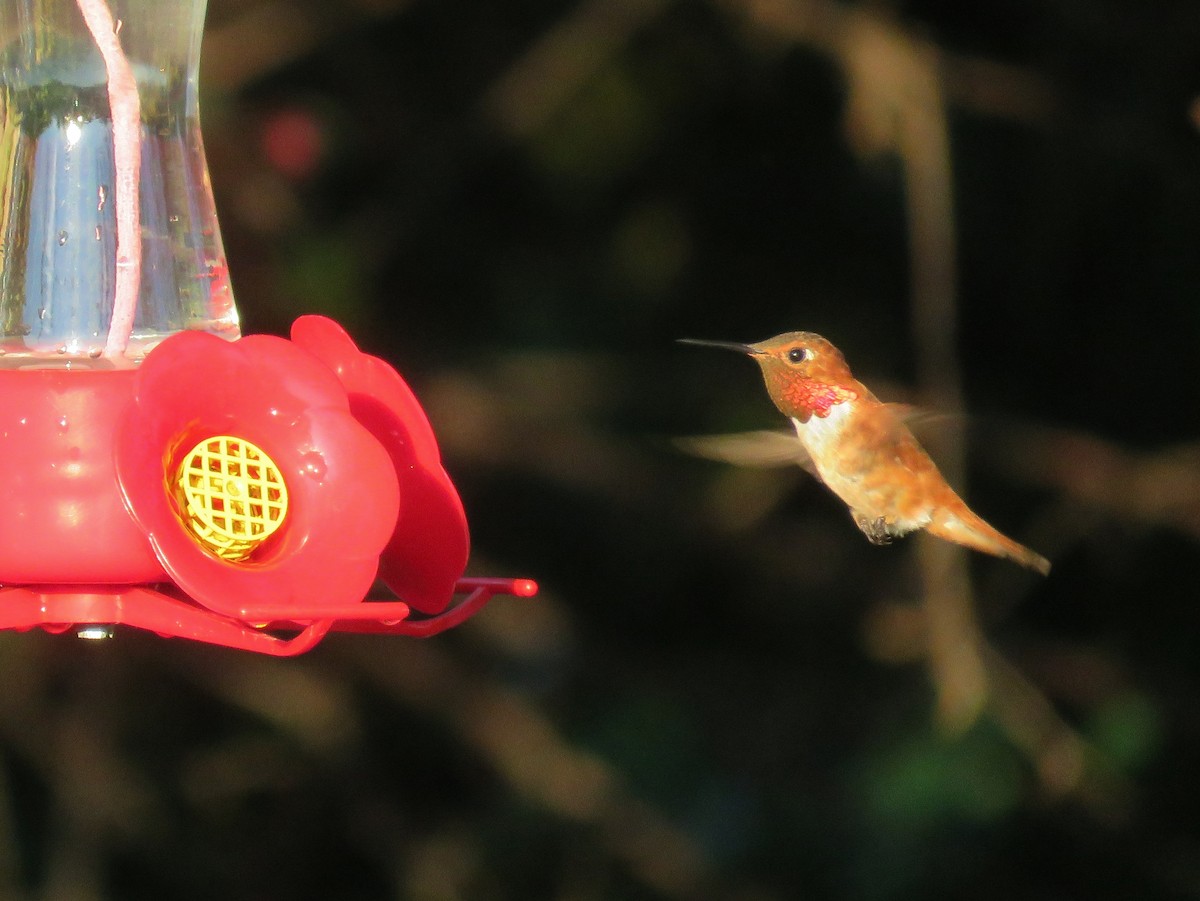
x: 231, y: 494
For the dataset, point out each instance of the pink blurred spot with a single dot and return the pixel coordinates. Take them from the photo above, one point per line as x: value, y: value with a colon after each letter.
x: 293, y: 141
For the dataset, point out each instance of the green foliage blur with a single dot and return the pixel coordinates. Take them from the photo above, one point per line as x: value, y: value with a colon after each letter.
x: 723, y: 691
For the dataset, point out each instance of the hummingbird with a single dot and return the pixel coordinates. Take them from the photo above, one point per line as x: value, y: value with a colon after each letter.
x: 862, y: 449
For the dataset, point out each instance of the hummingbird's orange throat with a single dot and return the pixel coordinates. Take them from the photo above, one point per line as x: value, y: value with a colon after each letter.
x: 809, y: 397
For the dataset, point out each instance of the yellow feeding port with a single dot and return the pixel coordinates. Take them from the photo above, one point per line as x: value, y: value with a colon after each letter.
x: 232, y: 496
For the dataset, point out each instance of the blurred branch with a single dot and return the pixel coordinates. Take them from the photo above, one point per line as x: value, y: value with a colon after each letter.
x: 900, y: 88
x: 1159, y: 488
x: 99, y: 797
x: 508, y: 732
x: 264, y: 38
x: 898, y: 105
x: 983, y: 86
x: 541, y: 767
x: 545, y: 78
x: 271, y: 35
x: 1066, y: 763
x: 531, y: 413
x: 565, y: 57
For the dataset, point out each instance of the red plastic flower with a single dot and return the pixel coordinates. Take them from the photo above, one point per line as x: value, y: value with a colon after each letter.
x: 429, y: 545
x: 341, y: 485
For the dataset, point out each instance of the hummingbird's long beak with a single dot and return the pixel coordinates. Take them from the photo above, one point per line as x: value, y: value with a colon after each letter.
x: 726, y: 345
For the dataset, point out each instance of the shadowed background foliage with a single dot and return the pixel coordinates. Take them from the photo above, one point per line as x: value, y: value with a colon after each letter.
x: 723, y: 691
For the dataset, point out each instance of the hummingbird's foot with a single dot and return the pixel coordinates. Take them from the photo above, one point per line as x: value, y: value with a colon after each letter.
x: 875, y: 528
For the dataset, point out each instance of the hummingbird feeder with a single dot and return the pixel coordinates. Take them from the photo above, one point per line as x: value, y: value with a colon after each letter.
x: 162, y: 471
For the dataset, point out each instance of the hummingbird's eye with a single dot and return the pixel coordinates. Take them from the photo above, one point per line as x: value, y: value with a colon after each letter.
x: 797, y: 355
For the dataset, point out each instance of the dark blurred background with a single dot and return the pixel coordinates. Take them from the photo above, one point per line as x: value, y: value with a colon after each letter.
x: 723, y: 690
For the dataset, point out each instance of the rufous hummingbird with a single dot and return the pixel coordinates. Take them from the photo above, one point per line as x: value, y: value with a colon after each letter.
x: 862, y: 449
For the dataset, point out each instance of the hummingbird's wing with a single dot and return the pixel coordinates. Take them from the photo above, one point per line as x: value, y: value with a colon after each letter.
x: 769, y: 448
x: 765, y: 448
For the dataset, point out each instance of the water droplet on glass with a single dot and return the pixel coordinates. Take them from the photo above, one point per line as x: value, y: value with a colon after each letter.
x: 172, y: 218
x: 95, y: 353
x: 62, y: 423
x: 101, y: 195
x: 98, y: 233
x: 62, y: 237
x: 41, y: 312
x: 62, y: 349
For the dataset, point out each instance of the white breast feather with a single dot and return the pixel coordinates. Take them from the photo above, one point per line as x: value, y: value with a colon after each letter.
x: 819, y: 431
x: 817, y: 435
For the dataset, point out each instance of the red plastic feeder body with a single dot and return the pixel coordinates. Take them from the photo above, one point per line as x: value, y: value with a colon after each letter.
x: 99, y: 528
x: 161, y: 471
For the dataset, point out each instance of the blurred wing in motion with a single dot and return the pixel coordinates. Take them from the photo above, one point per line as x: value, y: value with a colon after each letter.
x: 760, y: 449
x: 769, y: 448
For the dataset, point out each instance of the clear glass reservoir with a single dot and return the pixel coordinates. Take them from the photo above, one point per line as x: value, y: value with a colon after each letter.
x: 108, y: 233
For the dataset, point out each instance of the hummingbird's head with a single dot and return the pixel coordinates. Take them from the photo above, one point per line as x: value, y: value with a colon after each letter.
x: 805, y: 374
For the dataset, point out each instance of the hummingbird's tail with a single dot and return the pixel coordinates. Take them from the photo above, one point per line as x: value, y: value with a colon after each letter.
x: 964, y: 527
